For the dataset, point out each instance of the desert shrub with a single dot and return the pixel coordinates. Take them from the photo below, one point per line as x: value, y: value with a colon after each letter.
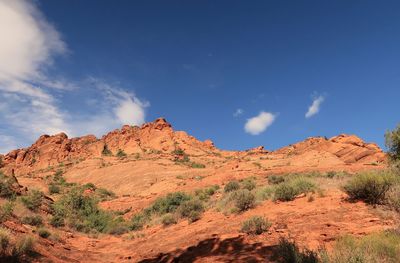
x: 43, y: 232
x: 168, y: 219
x: 191, y: 209
x: 288, y: 190
x: 33, y: 200
x: 169, y: 203
x: 105, y: 194
x: 243, y: 199
x: 248, y: 184
x: 54, y: 188
x: 231, y: 186
x: 35, y: 220
x: 6, y: 189
x: 57, y: 221
x: 289, y: 252
x: 6, y: 211
x: 4, y: 241
x: 24, y: 246
x: 255, y: 225
x: 212, y: 189
x: 121, y: 154
x: 197, y: 165
x: 106, y: 151
x: 204, y: 194
x: 89, y: 186
x: 275, y: 179
x: 392, y: 197
x: 376, y: 247
x: 138, y: 221
x: 264, y: 193
x: 178, y: 152
x: 370, y: 187
x: 82, y: 212
x: 1, y: 161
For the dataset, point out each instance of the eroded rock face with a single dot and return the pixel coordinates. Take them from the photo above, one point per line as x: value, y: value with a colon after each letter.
x: 157, y: 136
x: 348, y: 148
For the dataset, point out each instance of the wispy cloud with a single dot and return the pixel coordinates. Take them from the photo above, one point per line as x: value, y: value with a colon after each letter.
x: 259, y: 123
x: 31, y: 101
x: 238, y: 112
x: 315, y: 106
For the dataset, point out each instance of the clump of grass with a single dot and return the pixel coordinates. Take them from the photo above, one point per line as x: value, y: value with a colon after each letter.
x: 106, y: 151
x: 6, y: 211
x: 287, y: 191
x: 231, y: 186
x: 243, y: 199
x: 370, y: 187
x: 197, y: 165
x: 6, y: 186
x: 54, y: 188
x: 138, y: 221
x: 4, y: 241
x: 255, y: 225
x: 168, y: 219
x: 289, y: 252
x: 169, y: 203
x: 248, y: 184
x: 275, y: 179
x: 205, y: 194
x: 35, y: 220
x: 24, y: 246
x: 191, y: 209
x: 33, y: 200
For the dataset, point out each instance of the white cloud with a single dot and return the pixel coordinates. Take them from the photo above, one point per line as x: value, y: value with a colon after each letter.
x: 315, y: 106
x: 238, y: 112
x: 259, y: 123
x: 30, y: 99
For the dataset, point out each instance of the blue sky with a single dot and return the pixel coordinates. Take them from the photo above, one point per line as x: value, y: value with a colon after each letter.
x: 240, y: 73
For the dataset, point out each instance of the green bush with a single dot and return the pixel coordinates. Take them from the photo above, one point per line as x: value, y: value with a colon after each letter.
x: 54, y: 188
x: 169, y: 203
x: 105, y: 194
x: 204, y: 194
x: 4, y: 241
x: 6, y: 211
x: 255, y: 225
x: 191, y: 209
x: 35, y: 220
x: 138, y: 221
x: 370, y: 187
x: 231, y: 186
x: 288, y: 190
x: 43, y: 232
x: 24, y: 246
x: 168, y: 219
x: 178, y: 151
x: 57, y: 221
x: 243, y: 199
x: 33, y: 200
x: 121, y: 154
x: 275, y: 179
x: 289, y: 252
x: 248, y: 184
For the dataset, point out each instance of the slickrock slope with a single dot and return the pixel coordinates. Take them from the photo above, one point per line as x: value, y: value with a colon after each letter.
x: 154, y: 165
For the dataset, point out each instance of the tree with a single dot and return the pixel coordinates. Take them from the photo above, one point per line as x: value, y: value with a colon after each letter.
x: 392, y: 141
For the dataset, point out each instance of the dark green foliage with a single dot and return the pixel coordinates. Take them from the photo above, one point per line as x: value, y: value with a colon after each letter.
x: 331, y: 174
x: 255, y: 225
x: 169, y: 203
x: 191, y: 209
x: 248, y: 184
x: 82, y: 212
x: 287, y: 191
x: 43, y: 232
x: 121, y: 154
x: 392, y: 141
x: 35, y: 220
x: 104, y: 194
x: 6, y: 211
x: 106, y: 151
x: 54, y: 188
x: 244, y: 199
x: 289, y: 252
x: 231, y: 186
x: 204, y: 194
x: 178, y: 151
x: 89, y: 186
x: 370, y: 187
x: 275, y: 179
x: 33, y: 200
x: 6, y: 186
